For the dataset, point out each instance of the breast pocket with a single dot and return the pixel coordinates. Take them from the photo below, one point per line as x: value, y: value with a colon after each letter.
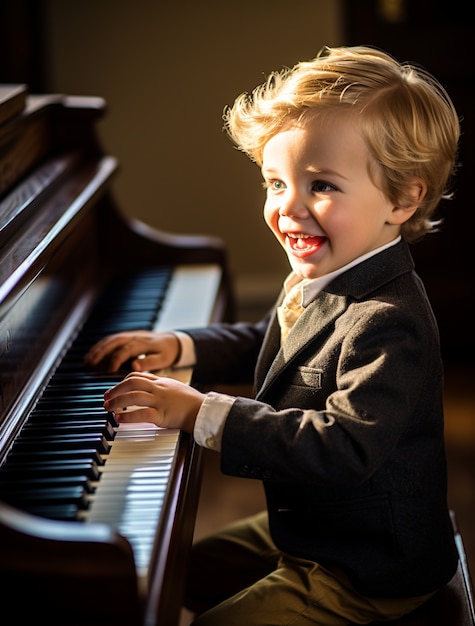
x: 304, y: 376
x: 300, y: 387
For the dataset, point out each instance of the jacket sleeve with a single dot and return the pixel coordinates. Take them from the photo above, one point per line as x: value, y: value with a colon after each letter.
x: 227, y: 353
x: 337, y: 414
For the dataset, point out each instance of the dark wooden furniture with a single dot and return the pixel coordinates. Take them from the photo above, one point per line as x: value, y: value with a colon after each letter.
x: 72, y: 268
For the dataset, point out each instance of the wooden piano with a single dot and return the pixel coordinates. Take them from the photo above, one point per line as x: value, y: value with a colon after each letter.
x: 96, y: 521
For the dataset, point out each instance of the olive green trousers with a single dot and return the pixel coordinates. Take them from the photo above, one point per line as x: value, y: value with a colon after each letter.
x: 239, y: 578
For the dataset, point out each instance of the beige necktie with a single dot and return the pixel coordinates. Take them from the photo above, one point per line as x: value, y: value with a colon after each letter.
x: 290, y: 310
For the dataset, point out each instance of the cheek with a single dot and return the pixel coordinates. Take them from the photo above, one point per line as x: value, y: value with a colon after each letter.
x: 271, y: 216
x: 335, y: 219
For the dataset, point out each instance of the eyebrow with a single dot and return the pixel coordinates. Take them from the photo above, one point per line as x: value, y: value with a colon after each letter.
x: 311, y: 171
x: 326, y: 172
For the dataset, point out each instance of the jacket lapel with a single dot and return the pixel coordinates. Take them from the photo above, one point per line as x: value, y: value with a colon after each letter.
x: 357, y: 283
x: 315, y: 319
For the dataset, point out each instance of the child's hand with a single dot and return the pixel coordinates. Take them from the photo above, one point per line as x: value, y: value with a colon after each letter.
x: 166, y: 402
x: 156, y: 350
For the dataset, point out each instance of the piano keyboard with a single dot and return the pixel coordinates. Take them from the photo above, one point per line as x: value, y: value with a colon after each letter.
x: 71, y: 461
x: 131, y: 492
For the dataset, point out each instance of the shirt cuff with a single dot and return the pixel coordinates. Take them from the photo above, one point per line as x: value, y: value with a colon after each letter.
x: 209, y: 424
x: 187, y: 355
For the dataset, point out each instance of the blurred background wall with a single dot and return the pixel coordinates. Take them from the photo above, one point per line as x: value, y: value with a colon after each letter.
x: 168, y: 69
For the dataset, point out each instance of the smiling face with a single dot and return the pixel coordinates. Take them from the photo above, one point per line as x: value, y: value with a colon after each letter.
x: 322, y: 205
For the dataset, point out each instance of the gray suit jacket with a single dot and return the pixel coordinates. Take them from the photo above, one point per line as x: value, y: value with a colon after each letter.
x: 346, y: 429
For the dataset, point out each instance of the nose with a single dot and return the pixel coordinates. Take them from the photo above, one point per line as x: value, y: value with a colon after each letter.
x: 293, y: 205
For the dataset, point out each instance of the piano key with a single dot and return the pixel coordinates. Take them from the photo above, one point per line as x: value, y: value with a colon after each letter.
x: 64, y: 512
x: 72, y: 467
x: 61, y: 442
x: 56, y: 455
x: 74, y: 388
x: 75, y: 427
x: 137, y: 489
x: 92, y: 402
x: 76, y: 495
x: 13, y: 484
x: 72, y: 412
x: 158, y: 468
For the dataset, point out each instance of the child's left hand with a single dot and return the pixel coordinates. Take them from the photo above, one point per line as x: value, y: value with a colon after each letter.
x: 144, y: 397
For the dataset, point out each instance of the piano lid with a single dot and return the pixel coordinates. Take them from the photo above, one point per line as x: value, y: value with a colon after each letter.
x: 49, y: 182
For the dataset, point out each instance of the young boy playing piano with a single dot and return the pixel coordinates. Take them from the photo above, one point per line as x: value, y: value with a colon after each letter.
x: 346, y: 426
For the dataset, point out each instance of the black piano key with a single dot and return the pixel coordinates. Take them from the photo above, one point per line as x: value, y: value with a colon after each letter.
x: 71, y: 467
x: 70, y: 390
x: 84, y: 375
x: 60, y: 512
x: 76, y: 495
x: 49, y: 413
x: 62, y: 442
x: 73, y: 417
x: 72, y: 413
x: 56, y: 455
x: 33, y: 430
x: 71, y: 387
x: 13, y: 484
x: 94, y: 401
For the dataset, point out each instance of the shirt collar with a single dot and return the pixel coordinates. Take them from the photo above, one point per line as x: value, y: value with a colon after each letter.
x: 312, y: 286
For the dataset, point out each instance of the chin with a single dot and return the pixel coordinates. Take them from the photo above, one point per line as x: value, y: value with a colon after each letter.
x: 305, y: 272
x: 304, y: 267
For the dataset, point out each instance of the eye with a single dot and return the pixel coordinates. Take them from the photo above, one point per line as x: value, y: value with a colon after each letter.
x: 274, y: 185
x: 320, y: 186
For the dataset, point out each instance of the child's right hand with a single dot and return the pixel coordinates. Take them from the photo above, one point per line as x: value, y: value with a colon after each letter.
x: 147, y: 351
x: 144, y: 397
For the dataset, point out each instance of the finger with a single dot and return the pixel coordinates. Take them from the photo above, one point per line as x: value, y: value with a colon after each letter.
x: 139, y: 416
x: 148, y: 362
x: 128, y: 401
x: 94, y: 355
x: 131, y: 342
x: 122, y: 354
x: 135, y: 381
x: 102, y: 348
x: 141, y: 376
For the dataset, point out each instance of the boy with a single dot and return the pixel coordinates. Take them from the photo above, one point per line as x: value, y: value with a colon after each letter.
x: 346, y: 427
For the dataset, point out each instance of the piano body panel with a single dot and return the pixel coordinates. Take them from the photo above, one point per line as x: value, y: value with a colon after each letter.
x: 176, y: 531
x: 62, y: 240
x: 71, y: 573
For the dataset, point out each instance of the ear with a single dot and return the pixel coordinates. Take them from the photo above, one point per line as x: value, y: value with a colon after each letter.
x: 414, y: 196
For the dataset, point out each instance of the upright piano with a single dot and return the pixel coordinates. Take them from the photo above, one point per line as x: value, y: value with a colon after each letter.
x: 96, y: 520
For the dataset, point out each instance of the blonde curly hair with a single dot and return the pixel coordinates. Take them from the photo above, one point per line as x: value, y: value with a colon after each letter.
x: 407, y: 119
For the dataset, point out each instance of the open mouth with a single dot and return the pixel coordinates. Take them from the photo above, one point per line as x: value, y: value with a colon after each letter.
x: 302, y: 245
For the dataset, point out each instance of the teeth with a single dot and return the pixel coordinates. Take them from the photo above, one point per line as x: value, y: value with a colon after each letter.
x: 298, y: 236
